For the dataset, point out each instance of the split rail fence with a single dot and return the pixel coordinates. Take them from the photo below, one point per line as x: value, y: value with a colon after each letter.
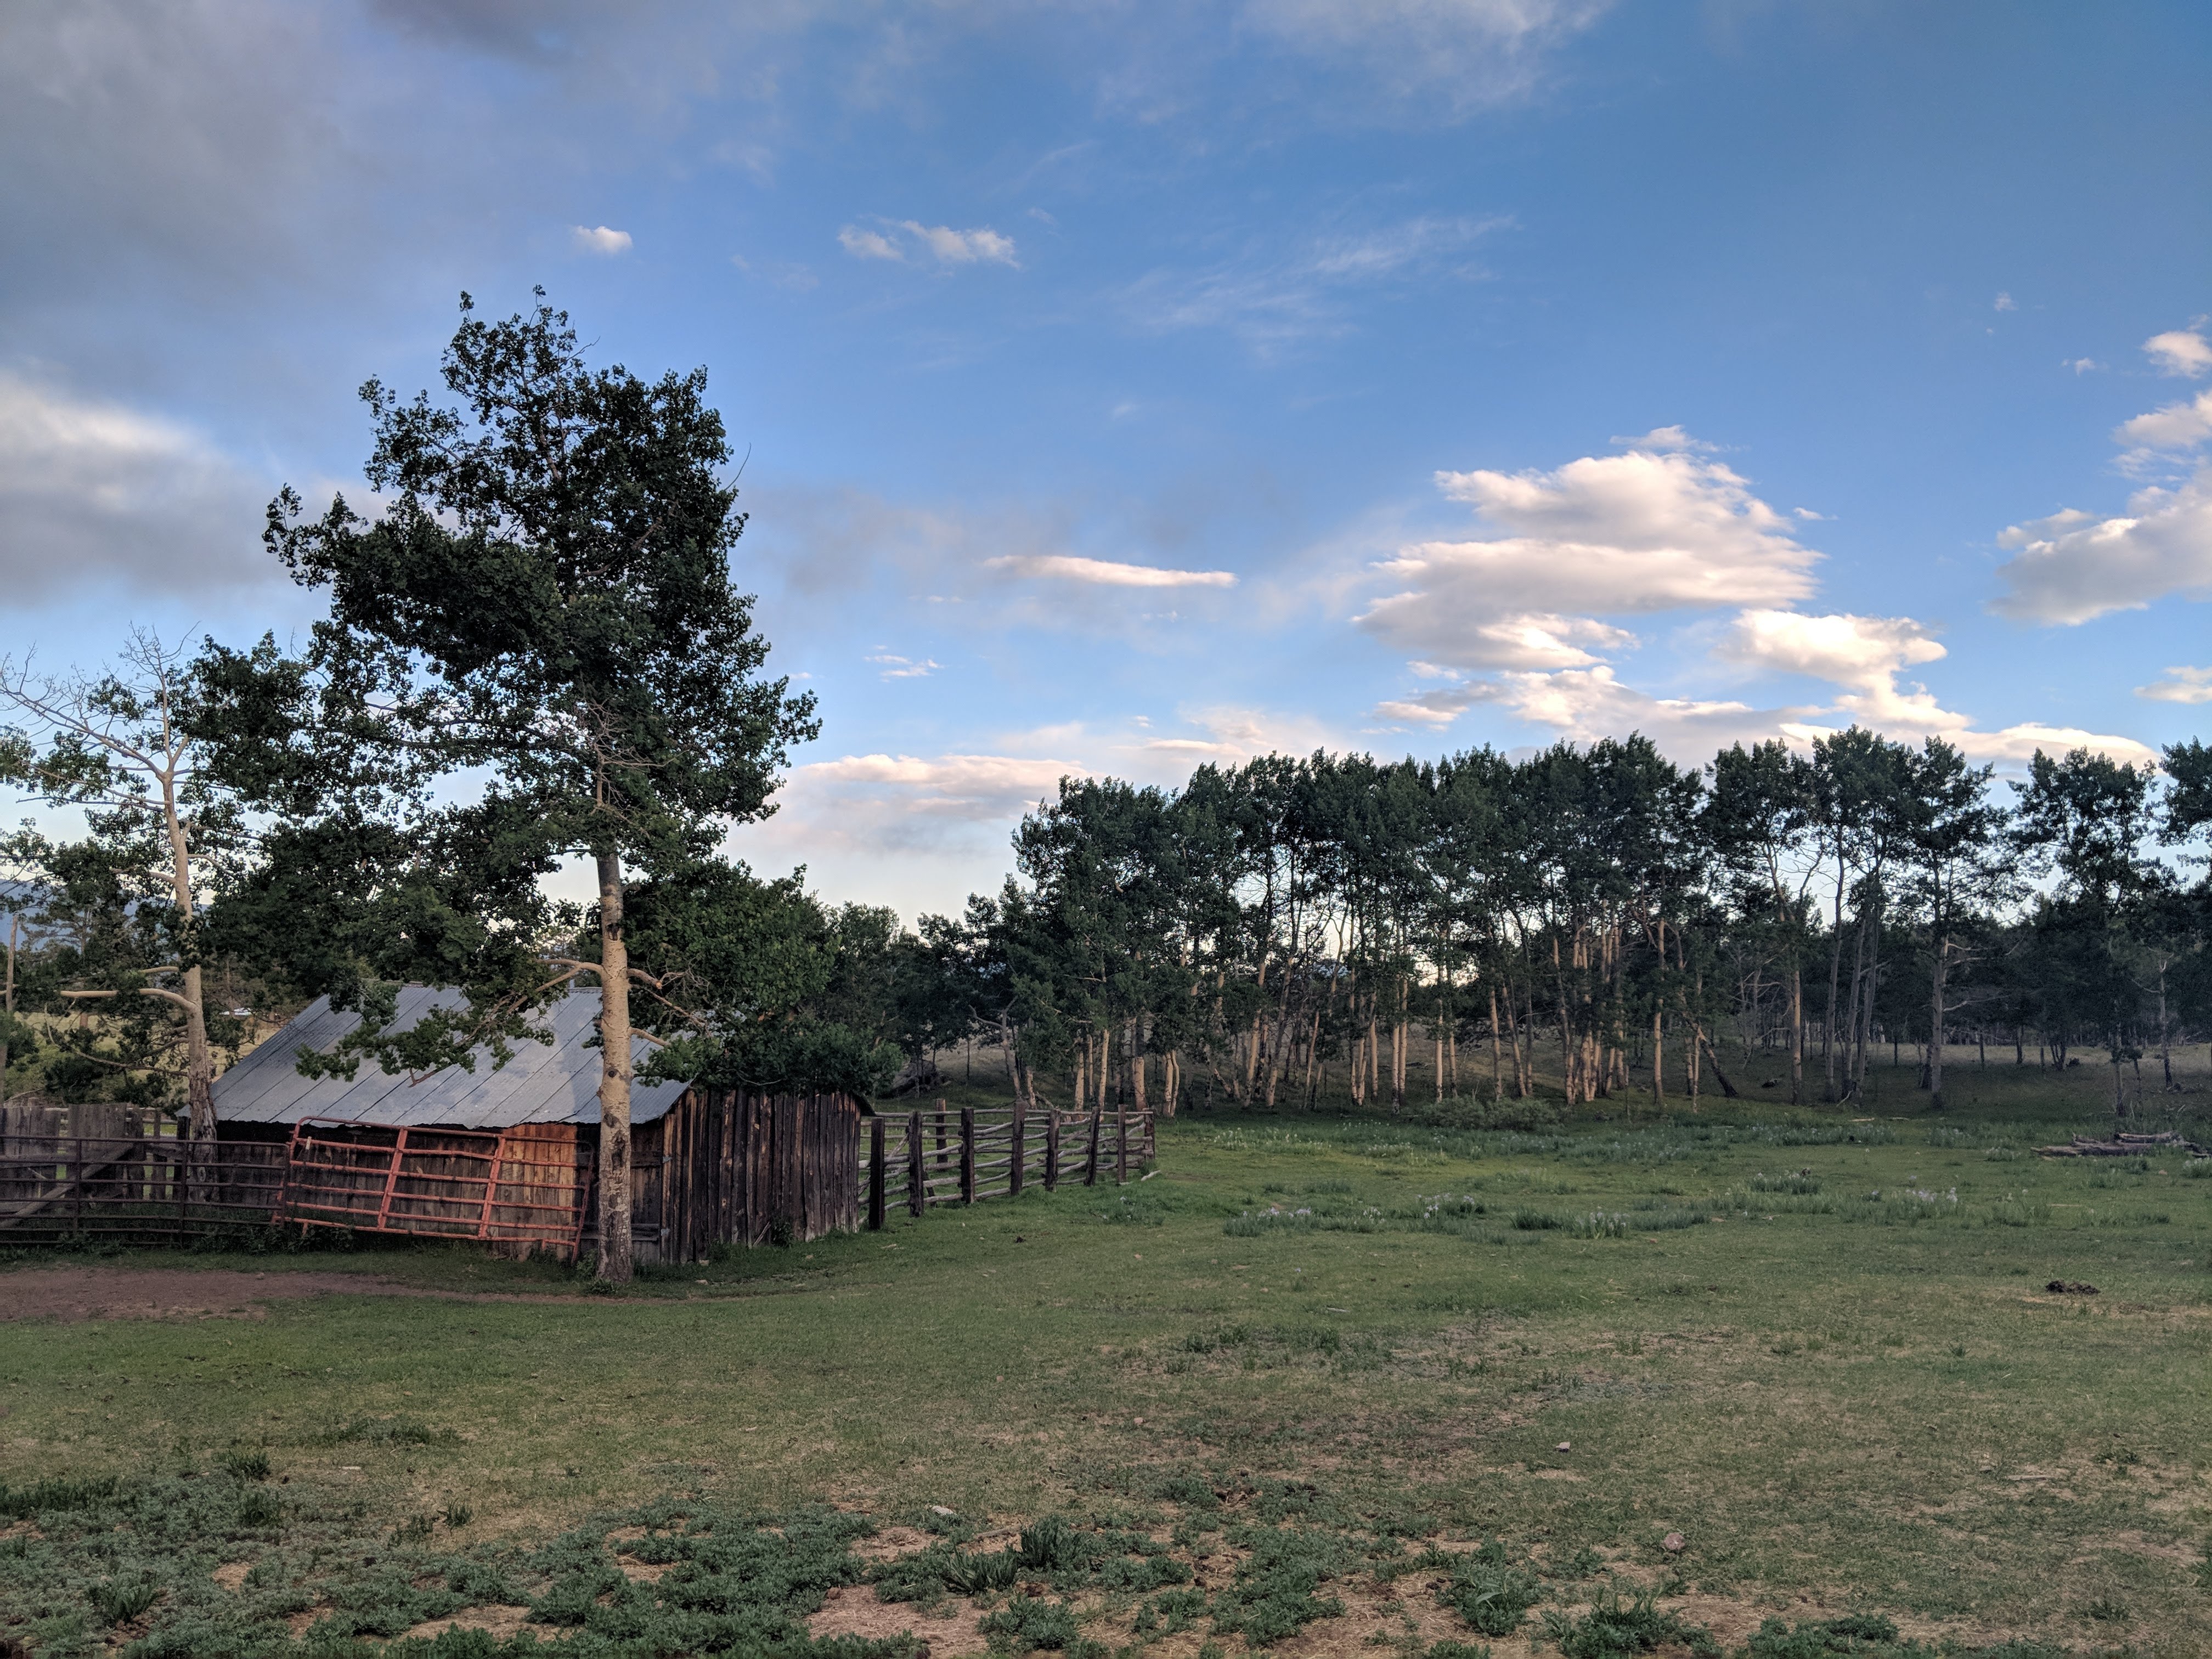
x: 930, y: 1155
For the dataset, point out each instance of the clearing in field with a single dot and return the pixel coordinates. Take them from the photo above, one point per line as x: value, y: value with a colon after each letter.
x: 1793, y: 1385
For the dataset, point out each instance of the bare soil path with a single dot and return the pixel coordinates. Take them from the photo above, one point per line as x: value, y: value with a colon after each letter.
x: 73, y: 1293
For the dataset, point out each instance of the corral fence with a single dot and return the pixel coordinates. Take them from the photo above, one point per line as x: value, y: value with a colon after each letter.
x: 935, y: 1156
x: 72, y: 1177
x: 152, y: 1187
x: 121, y: 1175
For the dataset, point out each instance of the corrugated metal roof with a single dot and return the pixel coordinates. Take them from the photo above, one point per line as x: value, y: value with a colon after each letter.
x: 555, y: 1083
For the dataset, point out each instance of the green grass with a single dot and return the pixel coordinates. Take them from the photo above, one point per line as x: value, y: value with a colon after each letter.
x: 1819, y: 1349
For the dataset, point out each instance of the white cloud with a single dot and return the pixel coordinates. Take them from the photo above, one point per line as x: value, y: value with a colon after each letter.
x: 968, y: 786
x: 906, y: 668
x: 2182, y: 351
x: 2072, y: 566
x: 1807, y: 514
x: 2004, y: 302
x: 1106, y: 573
x: 2179, y: 685
x: 962, y: 248
x: 867, y: 243
x: 1656, y: 529
x: 943, y: 243
x: 1667, y: 440
x: 2177, y: 426
x: 2081, y: 365
x: 1844, y: 650
x: 599, y: 238
x: 92, y: 490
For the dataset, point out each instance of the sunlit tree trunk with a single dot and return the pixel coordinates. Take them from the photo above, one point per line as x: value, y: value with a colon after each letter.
x: 614, y: 1076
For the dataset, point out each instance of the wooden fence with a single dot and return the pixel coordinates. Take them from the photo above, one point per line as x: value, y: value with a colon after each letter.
x: 935, y: 1156
x: 140, y: 1187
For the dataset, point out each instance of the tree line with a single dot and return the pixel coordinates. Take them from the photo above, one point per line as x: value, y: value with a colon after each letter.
x: 1599, y: 912
x: 535, y: 656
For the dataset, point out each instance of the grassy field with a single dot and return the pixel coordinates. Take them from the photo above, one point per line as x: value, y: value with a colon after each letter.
x: 1280, y: 1392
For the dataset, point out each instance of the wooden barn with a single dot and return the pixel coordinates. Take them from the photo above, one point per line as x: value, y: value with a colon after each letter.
x: 507, y: 1155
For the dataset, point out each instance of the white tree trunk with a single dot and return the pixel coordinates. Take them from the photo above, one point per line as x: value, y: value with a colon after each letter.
x: 613, y: 1077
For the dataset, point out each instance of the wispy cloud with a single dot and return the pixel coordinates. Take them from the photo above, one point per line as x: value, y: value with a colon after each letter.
x: 2004, y: 302
x: 1271, y: 298
x: 1106, y: 573
x: 940, y: 243
x: 906, y: 668
x: 95, y: 491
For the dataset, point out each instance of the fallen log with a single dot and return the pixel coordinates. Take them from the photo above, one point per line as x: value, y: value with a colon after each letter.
x: 2125, y: 1145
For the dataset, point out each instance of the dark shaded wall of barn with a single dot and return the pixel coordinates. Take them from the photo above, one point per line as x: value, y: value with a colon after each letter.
x: 727, y: 1167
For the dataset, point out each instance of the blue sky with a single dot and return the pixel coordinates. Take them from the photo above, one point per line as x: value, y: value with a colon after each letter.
x: 1128, y: 386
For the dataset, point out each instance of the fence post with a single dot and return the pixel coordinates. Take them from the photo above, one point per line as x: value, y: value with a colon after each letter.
x: 1121, y: 1147
x: 917, y: 1187
x: 1021, y: 1150
x: 966, y: 1154
x: 76, y: 1186
x: 875, y: 1175
x: 1090, y: 1156
x: 1052, y: 1148
x: 943, y: 1157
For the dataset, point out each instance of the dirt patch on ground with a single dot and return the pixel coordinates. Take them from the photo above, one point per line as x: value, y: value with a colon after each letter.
x: 69, y: 1294
x: 889, y: 1543
x: 232, y: 1574
x: 853, y: 1610
x: 500, y: 1622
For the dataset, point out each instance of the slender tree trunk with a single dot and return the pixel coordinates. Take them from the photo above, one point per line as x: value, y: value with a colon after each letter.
x: 1497, y: 1067
x: 614, y: 1076
x: 7, y: 1000
x: 1828, y: 1044
x: 199, y: 1061
x: 1935, y: 1023
x: 2165, y: 1045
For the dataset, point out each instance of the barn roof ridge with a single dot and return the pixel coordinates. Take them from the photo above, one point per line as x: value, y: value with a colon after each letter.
x: 543, y: 1083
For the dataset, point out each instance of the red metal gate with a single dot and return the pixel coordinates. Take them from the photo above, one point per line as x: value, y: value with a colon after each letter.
x: 492, y: 1185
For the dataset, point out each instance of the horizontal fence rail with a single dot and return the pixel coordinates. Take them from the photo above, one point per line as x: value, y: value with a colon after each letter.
x: 936, y: 1155
x: 482, y: 1184
x: 146, y: 1187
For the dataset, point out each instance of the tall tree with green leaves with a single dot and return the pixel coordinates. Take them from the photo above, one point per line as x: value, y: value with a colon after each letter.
x: 543, y: 614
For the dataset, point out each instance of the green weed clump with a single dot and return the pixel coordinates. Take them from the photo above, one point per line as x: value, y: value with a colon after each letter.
x: 1274, y: 1595
x: 1489, y: 1596
x: 1618, y: 1629
x: 1026, y: 1624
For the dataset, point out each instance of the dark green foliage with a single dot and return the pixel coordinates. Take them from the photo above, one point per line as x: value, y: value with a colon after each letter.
x: 1026, y: 1623
x: 144, y: 1550
x: 1490, y: 1596
x: 1618, y: 1629
x: 1052, y: 1544
x: 1273, y: 1596
x: 61, y: 1494
x: 259, y: 1507
x: 246, y: 1463
x: 121, y: 1601
x: 1459, y: 1651
x: 978, y: 1574
x: 1861, y: 1633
